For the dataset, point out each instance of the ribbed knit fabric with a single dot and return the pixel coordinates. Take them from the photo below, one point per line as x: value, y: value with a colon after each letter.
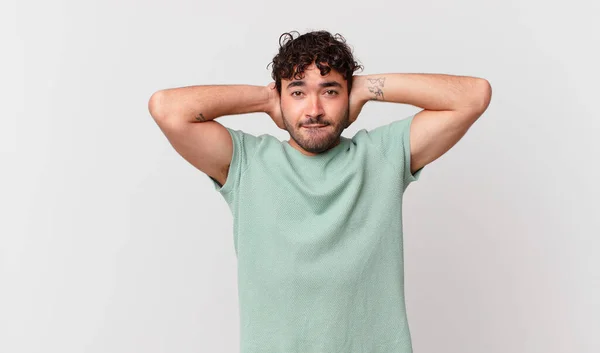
x: 319, y: 242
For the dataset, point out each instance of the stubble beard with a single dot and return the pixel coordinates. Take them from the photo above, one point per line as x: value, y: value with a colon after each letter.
x: 317, y: 141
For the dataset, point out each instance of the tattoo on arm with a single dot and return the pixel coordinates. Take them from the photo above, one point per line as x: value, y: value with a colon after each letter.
x: 375, y: 85
x: 200, y: 117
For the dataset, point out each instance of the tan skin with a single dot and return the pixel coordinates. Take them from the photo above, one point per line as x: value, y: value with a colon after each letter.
x: 314, y: 99
x: 450, y: 106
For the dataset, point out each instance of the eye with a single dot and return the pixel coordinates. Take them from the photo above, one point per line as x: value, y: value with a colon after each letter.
x: 331, y: 92
x: 294, y: 93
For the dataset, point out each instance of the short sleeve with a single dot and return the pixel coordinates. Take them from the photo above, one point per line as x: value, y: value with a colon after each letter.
x: 394, y: 141
x: 244, y: 146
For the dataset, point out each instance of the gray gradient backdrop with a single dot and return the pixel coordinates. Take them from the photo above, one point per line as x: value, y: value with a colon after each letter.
x: 111, y: 242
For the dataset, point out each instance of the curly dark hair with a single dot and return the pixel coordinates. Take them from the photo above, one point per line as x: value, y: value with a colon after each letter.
x: 327, y: 51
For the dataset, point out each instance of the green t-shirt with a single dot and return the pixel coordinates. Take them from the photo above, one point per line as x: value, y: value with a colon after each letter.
x: 318, y: 242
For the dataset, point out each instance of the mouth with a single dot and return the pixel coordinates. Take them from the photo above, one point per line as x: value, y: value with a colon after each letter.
x: 314, y: 126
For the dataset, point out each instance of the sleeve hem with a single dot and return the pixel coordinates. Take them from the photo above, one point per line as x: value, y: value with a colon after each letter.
x: 241, y: 144
x: 228, y: 186
x: 410, y: 177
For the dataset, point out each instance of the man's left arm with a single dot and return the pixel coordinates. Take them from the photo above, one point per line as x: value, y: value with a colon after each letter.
x: 451, y: 104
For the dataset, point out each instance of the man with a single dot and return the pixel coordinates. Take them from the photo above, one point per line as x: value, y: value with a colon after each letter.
x: 318, y: 218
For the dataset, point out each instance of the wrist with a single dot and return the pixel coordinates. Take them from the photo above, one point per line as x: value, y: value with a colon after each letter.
x: 360, y: 92
x: 268, y: 96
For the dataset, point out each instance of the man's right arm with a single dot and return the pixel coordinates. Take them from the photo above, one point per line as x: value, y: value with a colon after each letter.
x: 203, y: 103
x: 186, y: 116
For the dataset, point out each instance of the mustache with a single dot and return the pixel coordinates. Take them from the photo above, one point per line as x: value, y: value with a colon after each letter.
x: 312, y: 122
x: 321, y: 122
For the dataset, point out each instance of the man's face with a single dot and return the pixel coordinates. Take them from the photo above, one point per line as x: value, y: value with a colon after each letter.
x: 315, y: 99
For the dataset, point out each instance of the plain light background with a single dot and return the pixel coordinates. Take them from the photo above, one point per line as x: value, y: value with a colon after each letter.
x: 111, y: 242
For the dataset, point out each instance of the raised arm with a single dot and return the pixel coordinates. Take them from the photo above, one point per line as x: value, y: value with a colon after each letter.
x: 186, y: 117
x: 203, y: 103
x: 451, y: 104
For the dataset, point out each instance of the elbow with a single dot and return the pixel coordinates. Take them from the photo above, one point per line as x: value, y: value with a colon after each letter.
x: 156, y: 105
x: 486, y: 94
x: 481, y: 95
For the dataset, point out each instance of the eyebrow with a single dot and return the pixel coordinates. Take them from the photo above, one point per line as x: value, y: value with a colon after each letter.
x: 322, y: 84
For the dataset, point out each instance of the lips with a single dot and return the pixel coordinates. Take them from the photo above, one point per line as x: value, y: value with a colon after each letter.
x: 314, y: 125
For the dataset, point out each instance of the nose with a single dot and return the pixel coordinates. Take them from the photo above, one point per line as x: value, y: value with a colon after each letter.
x: 315, y: 108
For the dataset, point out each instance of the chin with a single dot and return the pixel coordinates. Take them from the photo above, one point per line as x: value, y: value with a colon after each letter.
x: 317, y: 144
